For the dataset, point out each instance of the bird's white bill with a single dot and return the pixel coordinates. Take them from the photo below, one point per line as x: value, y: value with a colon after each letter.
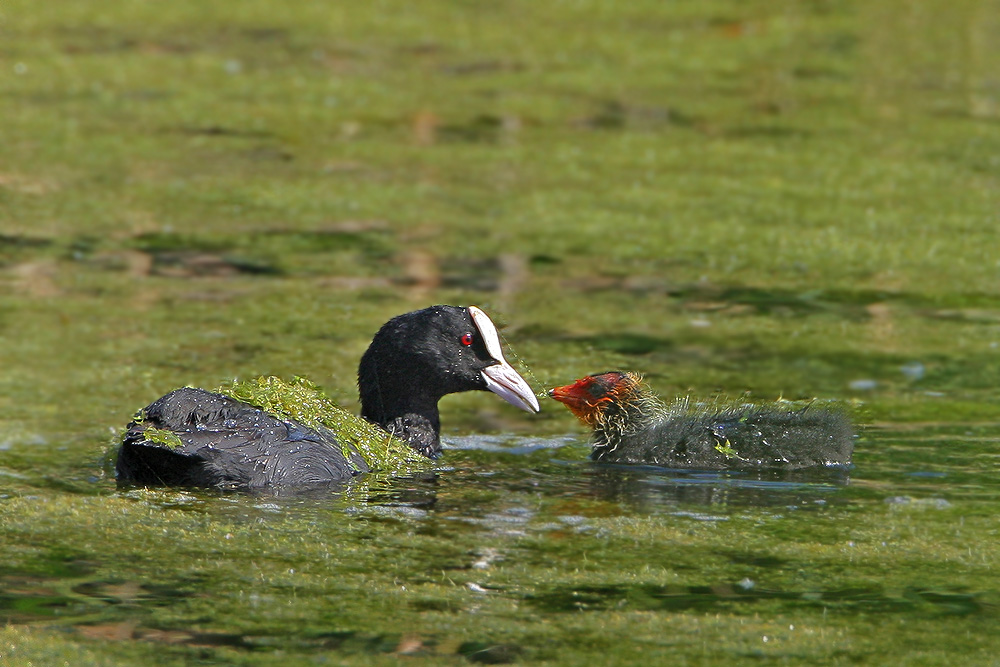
x: 506, y: 383
x: 501, y: 378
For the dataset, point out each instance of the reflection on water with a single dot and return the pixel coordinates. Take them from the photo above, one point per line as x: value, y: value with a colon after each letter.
x: 505, y: 443
x: 651, y: 489
x: 708, y: 598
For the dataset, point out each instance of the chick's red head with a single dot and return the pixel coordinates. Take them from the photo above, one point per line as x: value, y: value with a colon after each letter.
x: 590, y: 396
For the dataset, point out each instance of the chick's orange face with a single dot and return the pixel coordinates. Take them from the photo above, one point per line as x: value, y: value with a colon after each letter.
x: 588, y: 397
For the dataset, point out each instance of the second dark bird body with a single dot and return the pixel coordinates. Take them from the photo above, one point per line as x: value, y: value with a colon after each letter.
x: 632, y: 426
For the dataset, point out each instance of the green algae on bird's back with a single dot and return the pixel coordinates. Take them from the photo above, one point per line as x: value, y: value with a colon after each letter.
x: 302, y: 401
x: 160, y: 436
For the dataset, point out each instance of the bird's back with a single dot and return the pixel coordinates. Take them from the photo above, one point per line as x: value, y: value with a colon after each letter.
x: 747, y: 436
x: 192, y: 437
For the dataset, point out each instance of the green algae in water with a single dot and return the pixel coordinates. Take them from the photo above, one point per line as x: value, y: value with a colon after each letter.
x: 302, y: 401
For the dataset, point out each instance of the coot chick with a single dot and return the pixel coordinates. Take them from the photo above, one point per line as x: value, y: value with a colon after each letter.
x: 631, y: 425
x: 196, y: 438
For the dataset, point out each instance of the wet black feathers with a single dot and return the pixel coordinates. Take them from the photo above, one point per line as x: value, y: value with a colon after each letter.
x: 226, y: 443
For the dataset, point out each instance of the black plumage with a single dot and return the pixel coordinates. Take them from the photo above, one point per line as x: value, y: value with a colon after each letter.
x: 225, y: 443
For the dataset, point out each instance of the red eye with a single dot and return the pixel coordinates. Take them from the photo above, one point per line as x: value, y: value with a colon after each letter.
x: 467, y: 339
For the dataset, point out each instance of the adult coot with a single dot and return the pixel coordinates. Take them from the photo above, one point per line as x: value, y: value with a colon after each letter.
x: 193, y: 437
x: 631, y: 425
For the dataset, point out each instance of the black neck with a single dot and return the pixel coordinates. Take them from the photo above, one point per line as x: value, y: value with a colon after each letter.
x: 405, y: 409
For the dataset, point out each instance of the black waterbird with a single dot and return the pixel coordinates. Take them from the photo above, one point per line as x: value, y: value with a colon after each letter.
x: 196, y: 438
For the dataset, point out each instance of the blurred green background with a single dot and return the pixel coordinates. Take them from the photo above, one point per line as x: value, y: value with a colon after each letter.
x: 780, y: 197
